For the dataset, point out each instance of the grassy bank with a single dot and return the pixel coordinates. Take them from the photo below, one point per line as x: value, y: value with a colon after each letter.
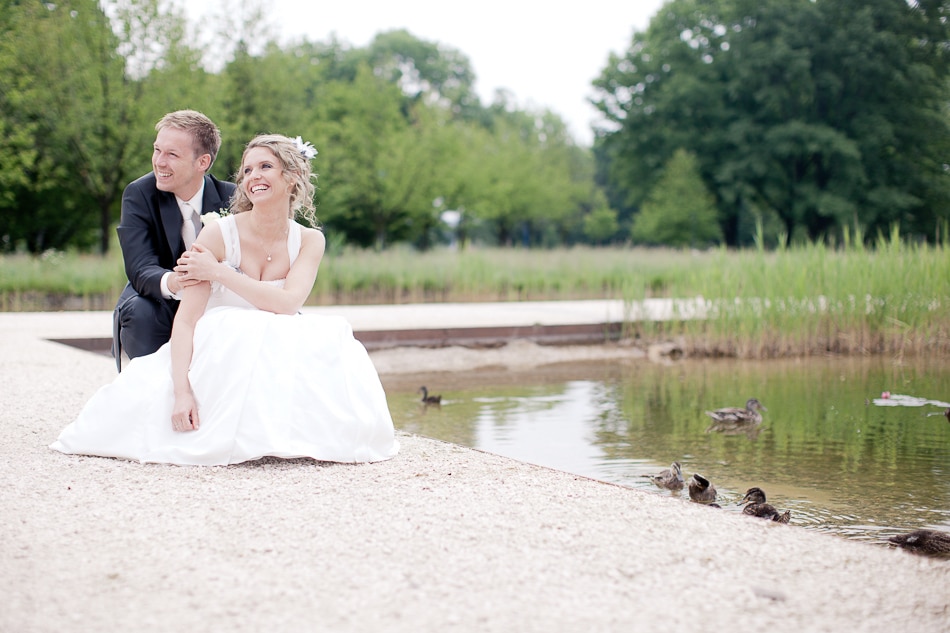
x: 805, y: 300
x: 393, y: 276
x: 815, y: 300
x: 60, y: 281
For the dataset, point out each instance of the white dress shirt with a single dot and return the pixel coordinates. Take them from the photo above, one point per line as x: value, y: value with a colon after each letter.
x: 183, y: 206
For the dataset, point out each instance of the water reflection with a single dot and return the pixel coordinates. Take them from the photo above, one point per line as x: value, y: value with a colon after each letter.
x: 824, y: 450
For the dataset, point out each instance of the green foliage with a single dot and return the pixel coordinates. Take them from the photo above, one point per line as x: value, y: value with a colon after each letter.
x: 812, y: 299
x: 51, y: 45
x: 401, y: 134
x: 261, y: 94
x: 804, y: 118
x: 424, y: 70
x: 601, y: 225
x: 364, y: 139
x: 815, y: 113
x: 800, y: 300
x: 680, y: 211
x: 72, y: 111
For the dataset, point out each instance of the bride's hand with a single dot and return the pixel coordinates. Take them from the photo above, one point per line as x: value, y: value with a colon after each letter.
x: 185, y: 413
x: 197, y: 264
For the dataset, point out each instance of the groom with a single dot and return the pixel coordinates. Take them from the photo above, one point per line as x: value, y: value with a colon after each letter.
x: 159, y: 221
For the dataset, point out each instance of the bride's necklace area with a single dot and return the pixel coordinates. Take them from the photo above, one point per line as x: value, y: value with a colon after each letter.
x: 271, y: 242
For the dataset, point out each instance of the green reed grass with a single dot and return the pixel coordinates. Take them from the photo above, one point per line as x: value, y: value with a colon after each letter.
x: 403, y: 275
x: 808, y: 299
x: 57, y: 280
x: 817, y: 300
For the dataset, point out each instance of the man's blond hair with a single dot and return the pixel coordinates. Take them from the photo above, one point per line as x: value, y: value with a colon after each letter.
x: 206, y: 137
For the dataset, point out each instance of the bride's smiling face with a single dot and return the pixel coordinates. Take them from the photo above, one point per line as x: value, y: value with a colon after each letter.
x: 263, y: 176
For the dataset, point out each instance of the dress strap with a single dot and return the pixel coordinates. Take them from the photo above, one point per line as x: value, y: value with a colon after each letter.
x: 293, y: 241
x: 232, y: 241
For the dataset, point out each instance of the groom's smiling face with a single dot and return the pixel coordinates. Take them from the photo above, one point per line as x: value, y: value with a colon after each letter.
x: 177, y: 168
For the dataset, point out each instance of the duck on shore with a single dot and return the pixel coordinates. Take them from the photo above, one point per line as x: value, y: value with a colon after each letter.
x: 670, y: 478
x: 757, y: 507
x: 924, y: 542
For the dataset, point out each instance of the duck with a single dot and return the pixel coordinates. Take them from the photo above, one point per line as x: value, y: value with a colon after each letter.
x: 924, y: 542
x: 670, y: 478
x: 427, y: 399
x: 757, y: 507
x: 737, y: 415
x: 701, y: 490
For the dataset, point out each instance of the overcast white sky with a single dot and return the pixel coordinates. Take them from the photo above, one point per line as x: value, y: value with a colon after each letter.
x: 545, y: 53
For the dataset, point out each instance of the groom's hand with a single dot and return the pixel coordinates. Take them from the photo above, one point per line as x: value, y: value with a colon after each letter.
x: 178, y: 281
x: 197, y: 264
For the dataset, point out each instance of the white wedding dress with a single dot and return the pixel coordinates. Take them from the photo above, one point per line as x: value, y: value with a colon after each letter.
x: 266, y: 385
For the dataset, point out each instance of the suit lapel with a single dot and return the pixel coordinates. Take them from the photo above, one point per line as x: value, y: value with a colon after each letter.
x: 171, y: 222
x: 211, y: 200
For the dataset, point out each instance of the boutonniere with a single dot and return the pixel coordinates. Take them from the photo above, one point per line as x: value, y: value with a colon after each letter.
x: 214, y: 216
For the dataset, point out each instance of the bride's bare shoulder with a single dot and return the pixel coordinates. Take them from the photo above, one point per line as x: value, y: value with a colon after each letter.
x: 312, y: 238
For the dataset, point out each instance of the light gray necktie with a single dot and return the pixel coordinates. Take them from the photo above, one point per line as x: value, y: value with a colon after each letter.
x: 190, y: 224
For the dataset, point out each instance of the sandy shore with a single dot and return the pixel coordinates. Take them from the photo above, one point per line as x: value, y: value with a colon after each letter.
x: 439, y: 538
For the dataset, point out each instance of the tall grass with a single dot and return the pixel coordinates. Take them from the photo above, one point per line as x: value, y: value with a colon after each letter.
x: 58, y: 281
x: 406, y: 276
x: 809, y: 299
x: 817, y: 300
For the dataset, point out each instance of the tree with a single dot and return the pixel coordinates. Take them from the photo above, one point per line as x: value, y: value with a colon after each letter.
x: 679, y: 211
x: 169, y: 76
x: 363, y: 182
x: 600, y: 225
x: 151, y: 41
x: 65, y: 92
x: 401, y: 133
x: 73, y: 109
x: 530, y: 183
x: 427, y: 71
x: 813, y: 112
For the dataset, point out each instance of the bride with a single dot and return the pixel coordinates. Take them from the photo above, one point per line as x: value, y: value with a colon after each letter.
x: 245, y: 375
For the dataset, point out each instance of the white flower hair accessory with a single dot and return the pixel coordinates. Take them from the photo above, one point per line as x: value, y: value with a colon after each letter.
x: 308, y: 150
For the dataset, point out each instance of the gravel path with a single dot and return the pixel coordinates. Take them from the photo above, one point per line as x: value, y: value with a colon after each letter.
x: 440, y: 538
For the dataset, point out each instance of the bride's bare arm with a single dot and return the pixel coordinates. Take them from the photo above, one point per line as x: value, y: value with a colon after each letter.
x: 205, y: 257
x: 193, y: 303
x: 199, y: 264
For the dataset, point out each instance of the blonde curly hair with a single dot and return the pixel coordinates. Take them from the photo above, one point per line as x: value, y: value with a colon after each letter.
x: 296, y: 172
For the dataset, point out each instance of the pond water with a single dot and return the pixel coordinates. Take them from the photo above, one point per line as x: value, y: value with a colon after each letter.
x: 825, y: 450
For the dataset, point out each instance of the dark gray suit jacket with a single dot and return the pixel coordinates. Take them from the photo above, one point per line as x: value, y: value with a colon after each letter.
x: 150, y: 229
x: 150, y: 236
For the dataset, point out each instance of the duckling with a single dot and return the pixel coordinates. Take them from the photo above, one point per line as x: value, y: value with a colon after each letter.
x: 701, y: 490
x: 670, y: 478
x: 736, y: 415
x: 427, y: 399
x: 757, y: 507
x: 924, y: 542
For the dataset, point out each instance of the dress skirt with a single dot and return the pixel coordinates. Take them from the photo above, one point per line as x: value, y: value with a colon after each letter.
x: 266, y: 385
